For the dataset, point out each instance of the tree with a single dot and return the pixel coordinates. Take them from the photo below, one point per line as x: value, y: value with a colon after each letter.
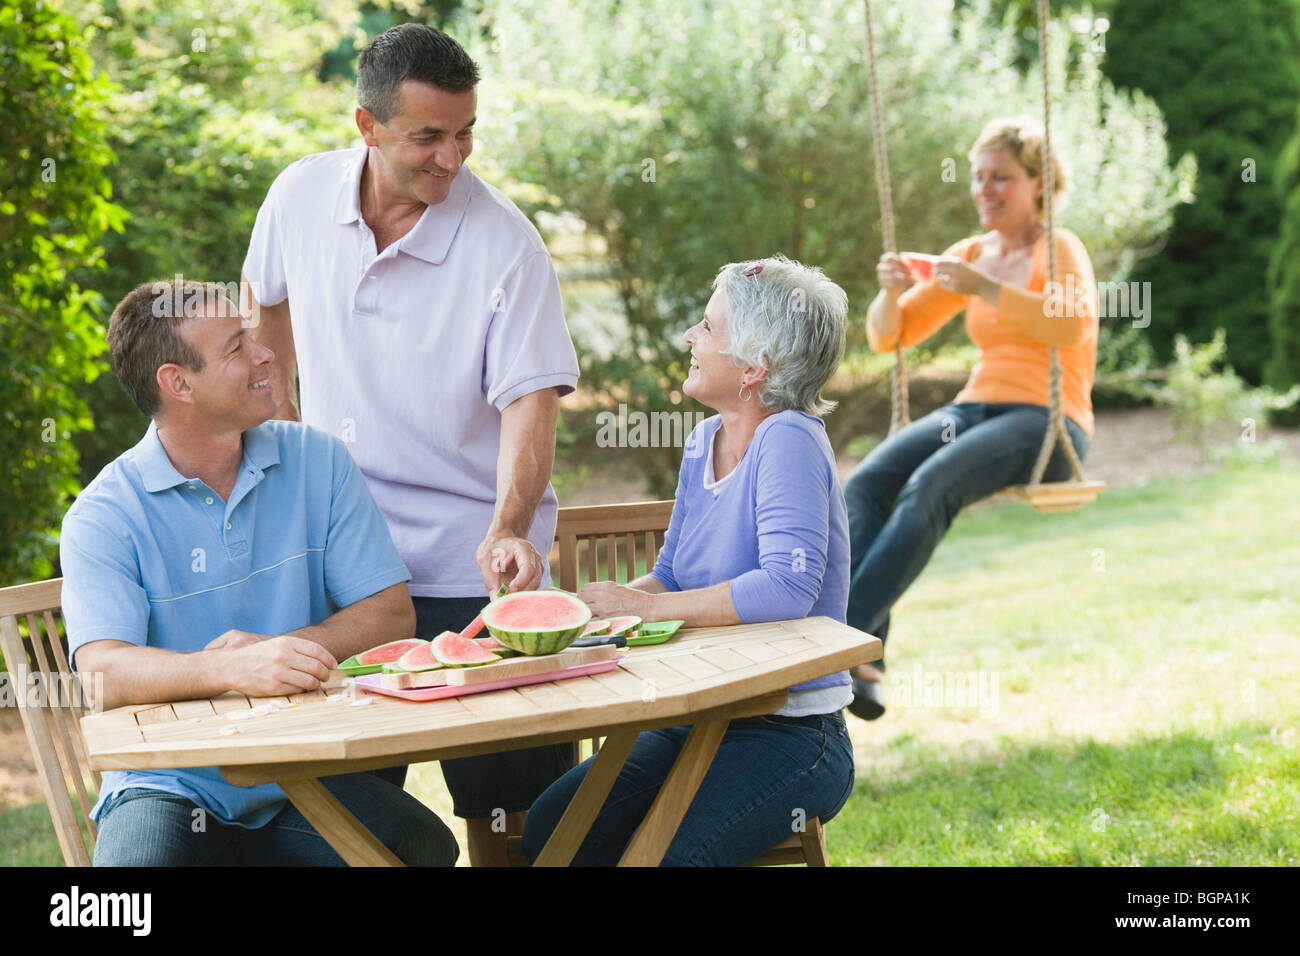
x: 1228, y: 87
x: 694, y: 134
x: 55, y: 206
x: 1283, y: 368
x: 212, y: 102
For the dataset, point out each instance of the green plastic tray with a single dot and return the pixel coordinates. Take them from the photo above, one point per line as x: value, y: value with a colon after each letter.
x: 353, y: 669
x: 654, y: 633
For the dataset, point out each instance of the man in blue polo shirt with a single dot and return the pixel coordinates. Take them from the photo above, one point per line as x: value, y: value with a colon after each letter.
x: 226, y: 552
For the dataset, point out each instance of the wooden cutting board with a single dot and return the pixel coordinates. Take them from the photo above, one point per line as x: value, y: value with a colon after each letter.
x: 503, y: 670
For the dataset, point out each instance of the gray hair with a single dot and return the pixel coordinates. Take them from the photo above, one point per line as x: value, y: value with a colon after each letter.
x: 790, y: 319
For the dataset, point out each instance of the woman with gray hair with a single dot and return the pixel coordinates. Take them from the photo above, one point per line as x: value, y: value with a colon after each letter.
x: 758, y: 532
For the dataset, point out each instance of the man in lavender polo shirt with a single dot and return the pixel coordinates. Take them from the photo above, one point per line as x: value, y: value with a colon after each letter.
x: 421, y: 315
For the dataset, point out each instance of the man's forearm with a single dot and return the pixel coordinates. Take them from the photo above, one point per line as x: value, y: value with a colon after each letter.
x: 525, y: 460
x: 387, y: 615
x: 129, y: 674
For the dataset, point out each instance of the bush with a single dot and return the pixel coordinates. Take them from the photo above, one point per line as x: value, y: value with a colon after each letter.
x: 698, y: 133
x: 1283, y: 368
x: 54, y: 208
x: 1228, y: 87
x: 212, y: 103
x: 1209, y: 400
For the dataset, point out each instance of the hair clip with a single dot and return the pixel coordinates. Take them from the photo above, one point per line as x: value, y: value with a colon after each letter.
x: 755, y: 269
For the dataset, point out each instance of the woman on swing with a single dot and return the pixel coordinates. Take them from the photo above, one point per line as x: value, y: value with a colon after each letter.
x: 903, y: 497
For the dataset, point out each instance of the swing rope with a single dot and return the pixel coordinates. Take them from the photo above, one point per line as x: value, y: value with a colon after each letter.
x: 898, y: 393
x: 1056, y: 414
x: 898, y: 400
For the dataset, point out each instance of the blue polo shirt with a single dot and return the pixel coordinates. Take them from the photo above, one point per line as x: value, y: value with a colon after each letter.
x: 156, y: 559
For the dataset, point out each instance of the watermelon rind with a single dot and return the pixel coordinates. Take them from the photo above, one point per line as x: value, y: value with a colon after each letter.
x: 388, y: 653
x: 411, y: 663
x: 452, y: 650
x: 535, y: 641
x: 621, y: 625
x: 490, y: 643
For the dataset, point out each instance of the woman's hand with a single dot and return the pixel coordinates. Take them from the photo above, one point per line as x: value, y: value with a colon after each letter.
x: 892, y: 274
x: 959, y: 276
x: 608, y: 599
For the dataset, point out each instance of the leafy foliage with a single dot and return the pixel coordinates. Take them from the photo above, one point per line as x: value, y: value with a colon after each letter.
x: 212, y: 103
x: 1228, y: 87
x: 1206, y: 394
x: 695, y: 134
x: 1283, y: 368
x: 55, y: 207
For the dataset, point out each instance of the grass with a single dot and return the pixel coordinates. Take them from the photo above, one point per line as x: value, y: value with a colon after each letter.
x: 1122, y: 687
x: 1140, y: 683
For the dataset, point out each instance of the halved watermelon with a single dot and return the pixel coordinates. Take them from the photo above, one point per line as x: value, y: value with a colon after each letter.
x: 387, y: 653
x: 452, y: 650
x: 537, y: 622
x: 418, y: 659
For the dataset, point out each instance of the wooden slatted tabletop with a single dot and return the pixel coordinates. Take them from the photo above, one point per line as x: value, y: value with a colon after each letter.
x: 702, y: 677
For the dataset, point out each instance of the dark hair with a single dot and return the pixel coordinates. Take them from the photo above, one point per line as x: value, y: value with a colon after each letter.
x: 410, y: 51
x: 143, y: 336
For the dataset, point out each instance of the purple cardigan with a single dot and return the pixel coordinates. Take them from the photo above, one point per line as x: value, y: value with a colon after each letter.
x: 776, y: 527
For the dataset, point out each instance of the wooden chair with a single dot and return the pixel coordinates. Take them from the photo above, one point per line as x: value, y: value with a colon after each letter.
x: 589, y: 537
x: 50, y: 700
x: 581, y: 532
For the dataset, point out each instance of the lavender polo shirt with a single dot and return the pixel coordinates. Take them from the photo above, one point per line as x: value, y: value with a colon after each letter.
x: 775, y: 527
x: 409, y: 356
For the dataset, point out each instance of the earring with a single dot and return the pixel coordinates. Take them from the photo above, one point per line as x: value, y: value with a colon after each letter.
x: 743, y: 396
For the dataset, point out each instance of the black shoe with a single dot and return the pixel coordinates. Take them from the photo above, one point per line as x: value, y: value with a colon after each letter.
x: 868, y: 698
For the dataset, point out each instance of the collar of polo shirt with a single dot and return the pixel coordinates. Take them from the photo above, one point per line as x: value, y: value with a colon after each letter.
x: 430, y: 238
x: 158, y: 473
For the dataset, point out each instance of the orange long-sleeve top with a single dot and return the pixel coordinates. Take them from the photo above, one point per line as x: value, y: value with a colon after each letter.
x: 1014, y: 338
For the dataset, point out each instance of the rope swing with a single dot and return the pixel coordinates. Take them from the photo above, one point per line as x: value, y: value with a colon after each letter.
x: 1042, y: 496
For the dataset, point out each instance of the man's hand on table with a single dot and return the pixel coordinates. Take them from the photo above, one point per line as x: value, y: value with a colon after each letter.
x: 233, y: 639
x: 273, y: 666
x: 499, y: 553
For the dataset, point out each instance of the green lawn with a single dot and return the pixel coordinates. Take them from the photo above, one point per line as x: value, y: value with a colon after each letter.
x: 1141, y: 680
x: 1123, y: 687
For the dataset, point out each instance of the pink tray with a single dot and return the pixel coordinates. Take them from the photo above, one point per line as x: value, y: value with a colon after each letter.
x: 371, y: 682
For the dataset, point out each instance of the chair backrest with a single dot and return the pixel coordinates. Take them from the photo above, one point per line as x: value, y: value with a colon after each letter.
x: 51, y: 702
x: 589, y: 538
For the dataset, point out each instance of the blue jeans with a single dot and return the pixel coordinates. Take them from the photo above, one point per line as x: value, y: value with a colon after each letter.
x: 139, y: 827
x: 904, y: 496
x: 770, y: 775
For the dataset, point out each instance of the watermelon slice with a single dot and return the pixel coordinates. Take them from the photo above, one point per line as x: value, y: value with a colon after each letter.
x: 621, y: 625
x: 598, y: 626
x: 417, y: 659
x: 452, y: 650
x: 387, y: 653
x: 537, y: 622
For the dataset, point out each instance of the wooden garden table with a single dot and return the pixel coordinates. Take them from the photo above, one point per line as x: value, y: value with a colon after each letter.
x: 703, y: 677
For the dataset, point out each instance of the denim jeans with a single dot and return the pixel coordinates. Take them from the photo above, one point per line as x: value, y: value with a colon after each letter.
x: 770, y: 775
x: 139, y: 827
x: 904, y: 496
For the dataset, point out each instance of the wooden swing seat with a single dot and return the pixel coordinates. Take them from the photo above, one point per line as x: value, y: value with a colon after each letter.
x: 1053, y: 496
